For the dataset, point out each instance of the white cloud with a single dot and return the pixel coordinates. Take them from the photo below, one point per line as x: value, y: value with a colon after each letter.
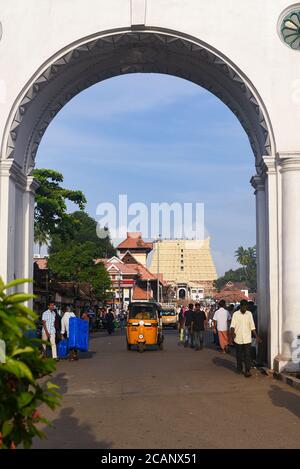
x: 131, y: 95
x: 64, y: 141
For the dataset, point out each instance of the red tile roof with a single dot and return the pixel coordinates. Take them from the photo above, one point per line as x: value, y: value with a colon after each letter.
x: 140, y: 294
x: 123, y: 268
x: 230, y: 296
x: 104, y: 261
x: 236, y: 285
x: 134, y: 268
x: 134, y: 241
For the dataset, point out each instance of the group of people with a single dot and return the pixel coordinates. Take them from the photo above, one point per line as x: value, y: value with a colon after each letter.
x: 55, y: 327
x: 55, y: 324
x: 112, y: 317
x: 192, y: 324
x: 238, y: 329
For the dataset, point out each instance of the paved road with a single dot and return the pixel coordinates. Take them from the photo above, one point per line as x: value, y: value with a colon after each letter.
x: 176, y: 398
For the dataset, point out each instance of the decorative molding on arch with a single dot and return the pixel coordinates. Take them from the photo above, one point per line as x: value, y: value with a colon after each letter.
x: 258, y: 183
x: 148, y: 51
x: 10, y: 169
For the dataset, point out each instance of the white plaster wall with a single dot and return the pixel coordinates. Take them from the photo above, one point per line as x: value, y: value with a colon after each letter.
x: 244, y: 31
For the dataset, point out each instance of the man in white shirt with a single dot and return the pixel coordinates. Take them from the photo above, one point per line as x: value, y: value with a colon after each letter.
x: 221, y: 323
x: 242, y: 327
x: 49, y: 331
x: 65, y: 331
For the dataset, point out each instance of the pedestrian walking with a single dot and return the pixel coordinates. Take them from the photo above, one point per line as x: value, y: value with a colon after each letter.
x: 122, y: 319
x: 222, y: 320
x: 181, y: 321
x: 189, y: 339
x: 48, y: 331
x: 198, y: 325
x: 67, y: 314
x: 57, y: 324
x: 242, y: 327
x: 110, y: 322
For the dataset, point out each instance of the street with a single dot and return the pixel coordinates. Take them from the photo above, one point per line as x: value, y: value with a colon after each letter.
x: 175, y: 398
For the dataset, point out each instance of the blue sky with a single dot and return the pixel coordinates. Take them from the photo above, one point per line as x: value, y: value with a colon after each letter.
x: 158, y: 138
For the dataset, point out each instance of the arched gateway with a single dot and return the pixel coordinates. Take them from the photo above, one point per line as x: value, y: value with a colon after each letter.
x: 246, y: 53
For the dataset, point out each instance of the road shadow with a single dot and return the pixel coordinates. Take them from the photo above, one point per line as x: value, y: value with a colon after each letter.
x: 67, y: 432
x: 61, y: 381
x: 83, y: 355
x: 225, y: 363
x: 286, y: 399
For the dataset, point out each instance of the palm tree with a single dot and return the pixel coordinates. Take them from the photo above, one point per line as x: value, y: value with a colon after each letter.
x: 247, y: 258
x: 242, y: 256
x: 40, y: 237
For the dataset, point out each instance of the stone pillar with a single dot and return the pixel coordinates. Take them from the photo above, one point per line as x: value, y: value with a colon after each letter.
x: 290, y: 190
x: 273, y: 291
x: 11, y: 180
x: 258, y: 182
x: 28, y: 207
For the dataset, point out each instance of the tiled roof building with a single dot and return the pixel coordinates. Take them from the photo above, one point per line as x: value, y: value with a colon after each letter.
x: 137, y: 247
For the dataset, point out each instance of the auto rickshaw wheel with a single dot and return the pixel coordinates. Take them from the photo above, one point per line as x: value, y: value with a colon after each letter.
x: 141, y: 348
x: 128, y: 346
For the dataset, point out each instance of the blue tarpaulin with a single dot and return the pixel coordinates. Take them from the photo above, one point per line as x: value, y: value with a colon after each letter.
x: 79, y: 334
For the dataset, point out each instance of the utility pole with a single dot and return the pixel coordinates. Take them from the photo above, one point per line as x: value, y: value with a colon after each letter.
x: 158, y: 241
x: 119, y: 278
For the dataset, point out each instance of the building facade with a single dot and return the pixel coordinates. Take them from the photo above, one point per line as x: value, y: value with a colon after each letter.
x: 131, y: 280
x: 187, y: 265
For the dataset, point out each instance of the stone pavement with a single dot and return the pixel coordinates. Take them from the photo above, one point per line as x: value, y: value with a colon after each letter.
x: 175, y: 398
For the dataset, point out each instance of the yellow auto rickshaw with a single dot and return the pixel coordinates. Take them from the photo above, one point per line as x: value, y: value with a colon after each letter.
x: 144, y: 325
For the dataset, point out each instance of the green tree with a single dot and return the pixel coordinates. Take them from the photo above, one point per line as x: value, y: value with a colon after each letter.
x: 80, y: 228
x: 247, y: 258
x: 21, y: 390
x: 40, y: 237
x: 76, y: 263
x: 51, y: 204
x: 237, y: 275
x: 247, y: 273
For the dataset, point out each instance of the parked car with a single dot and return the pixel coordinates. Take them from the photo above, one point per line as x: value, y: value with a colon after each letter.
x: 169, y: 318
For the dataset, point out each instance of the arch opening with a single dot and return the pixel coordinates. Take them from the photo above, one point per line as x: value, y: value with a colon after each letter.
x: 127, y: 52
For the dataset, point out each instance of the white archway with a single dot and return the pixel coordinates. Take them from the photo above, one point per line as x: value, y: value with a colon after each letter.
x: 138, y: 48
x: 115, y: 53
